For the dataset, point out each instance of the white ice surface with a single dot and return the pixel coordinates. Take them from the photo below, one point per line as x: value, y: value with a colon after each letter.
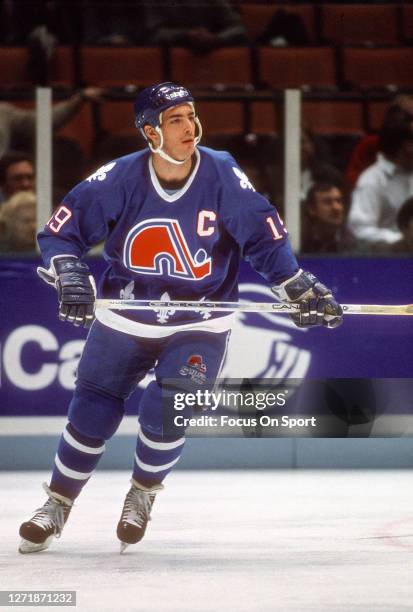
x: 299, y: 541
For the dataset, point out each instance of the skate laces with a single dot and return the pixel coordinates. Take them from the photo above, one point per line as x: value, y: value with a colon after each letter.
x: 52, y: 514
x: 137, y: 508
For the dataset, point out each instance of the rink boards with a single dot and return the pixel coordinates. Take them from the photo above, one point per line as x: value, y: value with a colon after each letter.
x: 39, y: 357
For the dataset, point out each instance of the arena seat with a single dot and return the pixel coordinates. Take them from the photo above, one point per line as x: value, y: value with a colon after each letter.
x: 117, y: 117
x: 80, y: 129
x: 378, y: 68
x: 376, y: 112
x: 312, y: 67
x: 359, y: 24
x: 13, y: 62
x: 62, y: 72
x: 407, y: 22
x: 221, y: 117
x: 333, y: 116
x: 265, y: 118
x: 14, y: 74
x: 229, y: 67
x: 121, y: 66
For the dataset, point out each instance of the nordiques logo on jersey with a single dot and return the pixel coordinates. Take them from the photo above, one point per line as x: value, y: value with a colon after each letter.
x: 158, y: 247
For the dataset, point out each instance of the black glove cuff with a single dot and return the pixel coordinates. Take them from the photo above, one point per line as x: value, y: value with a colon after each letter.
x: 70, y: 265
x: 300, y: 285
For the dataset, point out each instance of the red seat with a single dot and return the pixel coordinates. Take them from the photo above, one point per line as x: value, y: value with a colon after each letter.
x: 359, y: 24
x: 13, y: 67
x: 118, y: 118
x: 221, y: 117
x: 62, y: 72
x: 407, y: 22
x: 121, y: 66
x: 13, y: 72
x: 80, y: 128
x: 333, y: 117
x: 256, y: 17
x: 265, y: 118
x: 229, y: 66
x: 377, y: 110
x: 378, y: 68
x: 297, y: 67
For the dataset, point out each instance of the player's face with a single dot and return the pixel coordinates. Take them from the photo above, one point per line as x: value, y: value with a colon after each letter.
x: 178, y: 127
x: 329, y: 207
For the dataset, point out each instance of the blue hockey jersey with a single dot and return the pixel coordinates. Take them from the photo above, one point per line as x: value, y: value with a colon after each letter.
x: 182, y: 245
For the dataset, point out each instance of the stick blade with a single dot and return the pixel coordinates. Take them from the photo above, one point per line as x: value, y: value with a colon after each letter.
x: 376, y: 309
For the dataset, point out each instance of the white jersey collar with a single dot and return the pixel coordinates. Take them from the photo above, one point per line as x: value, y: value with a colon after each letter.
x: 180, y: 192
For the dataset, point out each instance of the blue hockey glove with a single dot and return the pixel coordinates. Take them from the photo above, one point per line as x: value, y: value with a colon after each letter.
x: 317, y: 304
x: 75, y: 288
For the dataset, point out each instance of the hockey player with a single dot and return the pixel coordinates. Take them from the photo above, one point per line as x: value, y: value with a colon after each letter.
x: 176, y: 219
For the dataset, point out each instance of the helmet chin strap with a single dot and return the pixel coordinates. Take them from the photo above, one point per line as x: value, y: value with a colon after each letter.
x: 159, y: 149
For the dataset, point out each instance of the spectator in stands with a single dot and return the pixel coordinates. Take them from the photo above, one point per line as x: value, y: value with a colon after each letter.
x: 200, y: 25
x: 114, y: 24
x: 405, y: 225
x: 381, y: 189
x: 18, y: 223
x: 365, y: 152
x: 285, y: 28
x: 17, y: 125
x: 324, y: 220
x: 16, y: 174
x: 313, y: 168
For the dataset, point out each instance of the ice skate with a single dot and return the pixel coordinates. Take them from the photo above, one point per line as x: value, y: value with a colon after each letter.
x: 48, y: 522
x: 136, y: 514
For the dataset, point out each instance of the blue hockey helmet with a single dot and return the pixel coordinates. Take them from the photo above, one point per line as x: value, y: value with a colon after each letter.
x: 154, y: 100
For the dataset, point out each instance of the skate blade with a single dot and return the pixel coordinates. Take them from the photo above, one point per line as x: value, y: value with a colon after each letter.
x: 30, y: 547
x: 123, y: 547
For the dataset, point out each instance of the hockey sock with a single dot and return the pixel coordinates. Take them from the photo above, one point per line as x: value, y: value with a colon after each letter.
x: 155, y: 457
x: 76, y: 458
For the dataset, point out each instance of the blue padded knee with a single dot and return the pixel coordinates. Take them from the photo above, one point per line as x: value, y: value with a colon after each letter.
x: 150, y: 409
x: 94, y: 413
x: 154, y: 403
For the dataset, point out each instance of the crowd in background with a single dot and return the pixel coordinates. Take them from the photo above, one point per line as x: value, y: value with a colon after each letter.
x: 365, y: 206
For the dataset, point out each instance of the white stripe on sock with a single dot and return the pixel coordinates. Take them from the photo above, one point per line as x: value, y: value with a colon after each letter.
x: 154, y: 468
x: 81, y: 447
x: 70, y: 473
x: 160, y: 445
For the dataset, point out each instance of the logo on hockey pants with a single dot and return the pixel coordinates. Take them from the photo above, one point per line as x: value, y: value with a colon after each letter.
x: 195, y: 368
x: 158, y: 247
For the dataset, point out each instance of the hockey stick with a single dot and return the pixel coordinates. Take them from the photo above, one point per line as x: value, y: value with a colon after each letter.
x: 360, y: 309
